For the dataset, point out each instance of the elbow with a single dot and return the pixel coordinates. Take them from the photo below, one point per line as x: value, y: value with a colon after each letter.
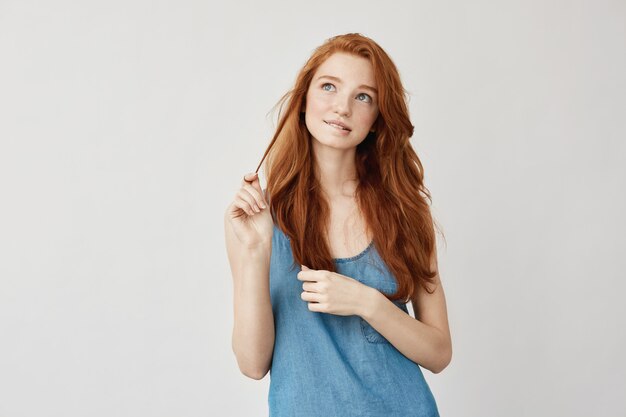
x: 254, y: 374
x: 444, y: 360
x: 249, y: 368
x: 440, y: 367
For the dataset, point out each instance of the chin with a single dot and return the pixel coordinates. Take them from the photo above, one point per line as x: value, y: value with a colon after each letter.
x: 334, y: 142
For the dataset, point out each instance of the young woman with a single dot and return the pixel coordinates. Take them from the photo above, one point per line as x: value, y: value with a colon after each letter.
x: 325, y: 258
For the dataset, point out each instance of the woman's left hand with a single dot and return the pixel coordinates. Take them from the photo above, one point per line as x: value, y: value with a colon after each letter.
x: 330, y: 292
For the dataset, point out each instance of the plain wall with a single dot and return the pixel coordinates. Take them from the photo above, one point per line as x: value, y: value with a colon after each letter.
x: 125, y: 130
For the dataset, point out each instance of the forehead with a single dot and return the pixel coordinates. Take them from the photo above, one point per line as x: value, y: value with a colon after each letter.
x: 349, y: 68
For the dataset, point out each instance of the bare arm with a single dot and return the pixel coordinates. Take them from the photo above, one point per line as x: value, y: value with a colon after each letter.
x: 424, y: 339
x: 253, y: 328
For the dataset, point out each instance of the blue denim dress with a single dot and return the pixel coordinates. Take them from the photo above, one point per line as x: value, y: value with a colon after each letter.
x: 327, y: 365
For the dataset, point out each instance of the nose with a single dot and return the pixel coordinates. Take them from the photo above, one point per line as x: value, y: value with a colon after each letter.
x: 342, y: 105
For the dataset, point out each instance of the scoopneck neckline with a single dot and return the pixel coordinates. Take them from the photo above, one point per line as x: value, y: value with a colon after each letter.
x: 355, y: 257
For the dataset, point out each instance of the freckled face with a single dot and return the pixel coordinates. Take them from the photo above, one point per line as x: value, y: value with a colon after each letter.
x: 339, y: 92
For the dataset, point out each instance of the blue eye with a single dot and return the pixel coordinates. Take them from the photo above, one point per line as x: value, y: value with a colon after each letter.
x: 366, y: 95
x: 367, y: 100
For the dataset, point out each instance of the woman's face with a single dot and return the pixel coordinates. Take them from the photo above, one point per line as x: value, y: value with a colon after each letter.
x: 341, y: 91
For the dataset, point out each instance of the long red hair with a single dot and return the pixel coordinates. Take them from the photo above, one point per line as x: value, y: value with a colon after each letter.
x: 390, y: 193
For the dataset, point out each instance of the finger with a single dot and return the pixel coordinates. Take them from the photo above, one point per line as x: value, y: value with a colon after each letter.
x: 309, y: 296
x: 245, y: 194
x: 256, y: 194
x: 249, y: 177
x: 243, y: 205
x: 256, y: 184
x: 306, y: 276
x: 315, y: 307
x: 252, y: 180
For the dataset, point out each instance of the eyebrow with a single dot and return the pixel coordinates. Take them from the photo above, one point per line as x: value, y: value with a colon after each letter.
x: 367, y: 87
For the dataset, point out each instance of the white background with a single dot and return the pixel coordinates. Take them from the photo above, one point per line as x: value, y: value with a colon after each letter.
x: 126, y: 127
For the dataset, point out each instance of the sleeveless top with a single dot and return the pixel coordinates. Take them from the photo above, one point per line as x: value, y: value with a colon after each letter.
x: 327, y: 365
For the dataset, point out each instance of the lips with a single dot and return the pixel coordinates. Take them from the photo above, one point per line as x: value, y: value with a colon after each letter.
x: 337, y: 123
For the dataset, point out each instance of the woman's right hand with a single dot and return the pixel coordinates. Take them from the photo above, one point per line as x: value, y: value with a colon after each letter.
x: 250, y: 226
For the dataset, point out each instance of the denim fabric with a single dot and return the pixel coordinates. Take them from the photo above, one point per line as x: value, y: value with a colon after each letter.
x: 326, y: 365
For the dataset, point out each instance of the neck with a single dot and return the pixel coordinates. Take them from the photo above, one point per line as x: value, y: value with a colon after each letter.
x: 336, y: 171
